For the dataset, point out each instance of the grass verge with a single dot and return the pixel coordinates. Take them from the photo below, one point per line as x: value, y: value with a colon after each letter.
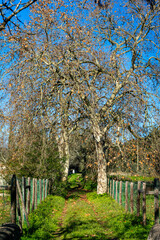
x: 84, y: 216
x: 44, y: 221
x: 121, y: 225
x: 5, y: 207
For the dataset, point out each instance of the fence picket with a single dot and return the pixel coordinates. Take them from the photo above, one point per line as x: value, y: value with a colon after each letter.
x: 120, y: 193
x: 131, y: 197
x: 43, y: 189
x: 126, y: 196
x: 156, y: 200
x: 28, y: 195
x: 144, y: 204
x: 138, y: 198
x: 23, y: 206
x: 116, y: 191
x: 13, y: 199
x: 35, y: 193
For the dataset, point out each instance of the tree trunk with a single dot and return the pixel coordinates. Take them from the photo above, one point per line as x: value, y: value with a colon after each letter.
x: 102, y: 175
x: 66, y: 150
x: 63, y: 148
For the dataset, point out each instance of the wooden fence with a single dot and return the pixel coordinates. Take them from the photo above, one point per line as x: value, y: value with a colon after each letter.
x: 26, y: 194
x: 134, y: 196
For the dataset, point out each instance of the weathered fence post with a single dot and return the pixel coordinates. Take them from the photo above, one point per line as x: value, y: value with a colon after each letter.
x: 19, y: 211
x: 40, y: 189
x: 22, y: 202
x: 29, y: 196
x: 131, y: 197
x: 117, y: 191
x: 13, y: 199
x: 120, y: 193
x: 46, y: 187
x: 144, y: 204
x: 138, y: 198
x: 156, y: 200
x: 110, y: 187
x: 113, y: 188
x: 43, y: 189
x: 24, y: 197
x: 24, y: 190
x: 126, y: 196
x: 35, y: 193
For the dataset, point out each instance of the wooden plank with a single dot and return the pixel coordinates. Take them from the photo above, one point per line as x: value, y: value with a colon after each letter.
x: 24, y: 196
x: 156, y: 200
x: 28, y: 196
x: 126, y: 196
x: 110, y: 187
x: 113, y: 188
x: 13, y: 199
x: 40, y: 189
x: 120, y: 193
x: 131, y: 197
x: 116, y: 190
x: 5, y: 187
x: 35, y: 193
x: 46, y: 187
x: 144, y: 204
x: 19, y: 211
x: 43, y: 189
x: 107, y: 188
x: 138, y: 198
x: 23, y: 206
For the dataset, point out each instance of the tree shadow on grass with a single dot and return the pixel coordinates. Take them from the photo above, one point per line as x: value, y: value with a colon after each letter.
x: 83, y: 230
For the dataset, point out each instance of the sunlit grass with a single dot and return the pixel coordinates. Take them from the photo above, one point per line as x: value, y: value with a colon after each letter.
x: 4, y: 207
x: 84, y: 216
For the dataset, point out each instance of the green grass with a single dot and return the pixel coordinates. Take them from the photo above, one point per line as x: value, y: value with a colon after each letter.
x: 121, y: 225
x: 5, y: 207
x: 75, y: 180
x: 134, y: 178
x: 84, y: 216
x: 150, y: 207
x: 44, y: 221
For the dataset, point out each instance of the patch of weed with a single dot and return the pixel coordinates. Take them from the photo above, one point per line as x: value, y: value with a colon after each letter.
x: 122, y: 225
x: 44, y: 220
x: 5, y: 208
x: 75, y: 180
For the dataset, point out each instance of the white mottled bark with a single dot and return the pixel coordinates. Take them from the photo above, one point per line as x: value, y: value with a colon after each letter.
x: 66, y: 164
x: 102, y: 175
x: 63, y: 148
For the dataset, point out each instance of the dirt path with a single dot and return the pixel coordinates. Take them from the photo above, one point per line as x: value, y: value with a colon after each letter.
x: 79, y: 220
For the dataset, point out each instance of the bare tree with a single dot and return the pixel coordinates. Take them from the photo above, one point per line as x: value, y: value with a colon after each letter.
x: 9, y: 11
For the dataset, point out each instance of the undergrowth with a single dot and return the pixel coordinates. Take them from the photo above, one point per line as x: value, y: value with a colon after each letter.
x: 5, y: 207
x: 113, y: 217
x: 84, y: 216
x: 44, y: 220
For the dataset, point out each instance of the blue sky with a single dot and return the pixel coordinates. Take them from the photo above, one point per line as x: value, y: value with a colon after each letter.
x: 24, y: 17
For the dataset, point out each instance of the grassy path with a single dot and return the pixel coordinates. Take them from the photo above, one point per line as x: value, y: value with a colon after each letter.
x: 81, y: 221
x: 84, y: 215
